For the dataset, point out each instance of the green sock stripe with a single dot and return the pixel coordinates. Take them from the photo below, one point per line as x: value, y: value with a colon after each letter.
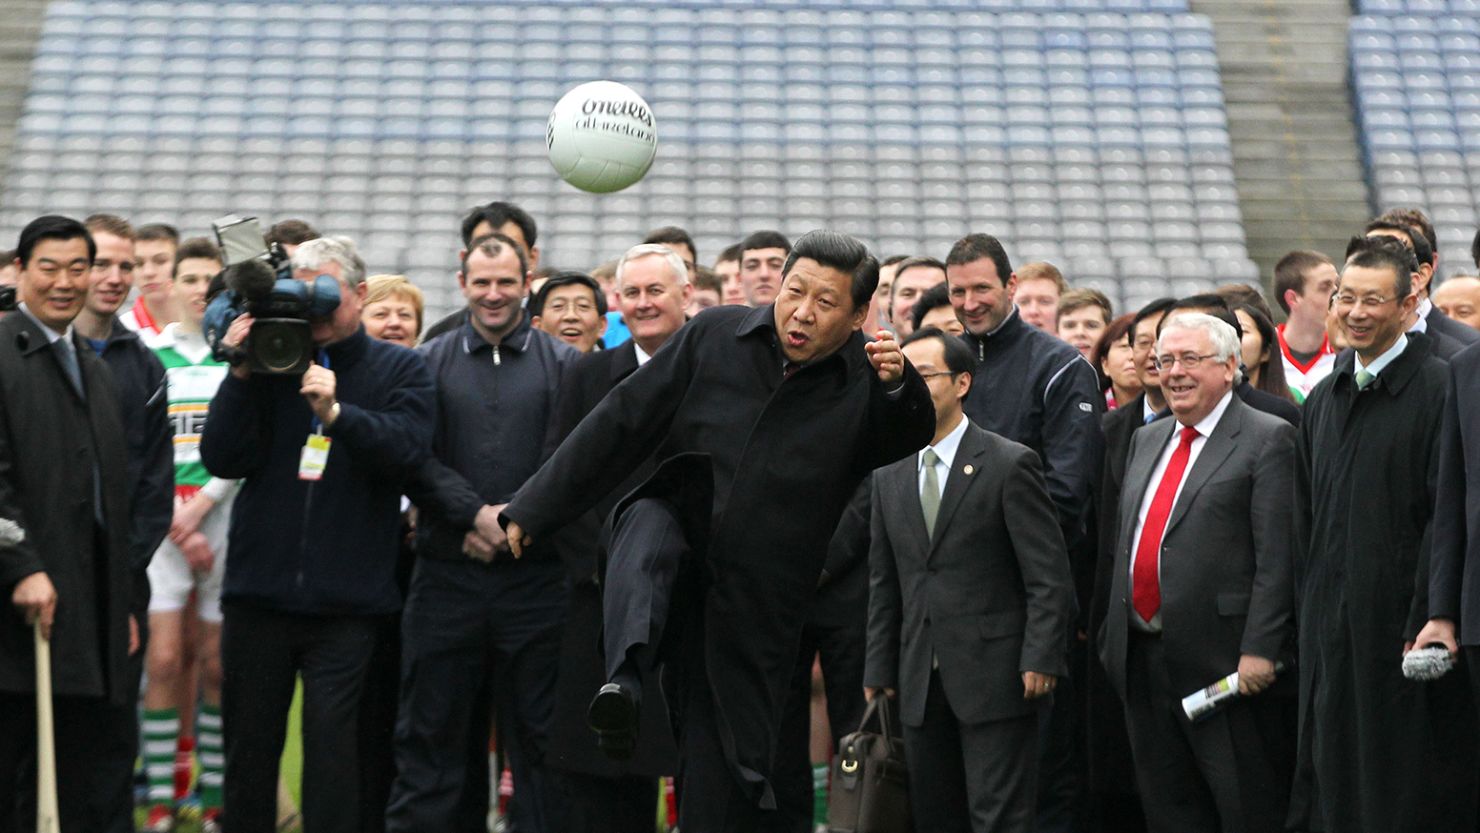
x: 208, y: 752
x: 161, y: 734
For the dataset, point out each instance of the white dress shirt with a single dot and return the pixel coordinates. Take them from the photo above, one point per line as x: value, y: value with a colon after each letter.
x: 1204, y: 430
x: 945, y: 451
x: 1384, y: 360
x: 642, y: 355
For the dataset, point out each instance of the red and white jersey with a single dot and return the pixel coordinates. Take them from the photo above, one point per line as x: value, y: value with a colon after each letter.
x: 138, y: 319
x: 1302, y: 377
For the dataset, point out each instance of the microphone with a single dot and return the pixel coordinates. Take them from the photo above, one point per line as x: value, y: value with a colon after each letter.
x: 251, y: 279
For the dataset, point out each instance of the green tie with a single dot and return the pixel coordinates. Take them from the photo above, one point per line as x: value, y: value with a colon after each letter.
x: 930, y: 495
x: 1364, y: 378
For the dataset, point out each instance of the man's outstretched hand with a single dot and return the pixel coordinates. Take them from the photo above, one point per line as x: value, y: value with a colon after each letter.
x: 884, y: 355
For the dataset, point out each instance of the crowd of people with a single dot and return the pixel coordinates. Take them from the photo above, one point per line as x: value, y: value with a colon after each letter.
x: 617, y: 520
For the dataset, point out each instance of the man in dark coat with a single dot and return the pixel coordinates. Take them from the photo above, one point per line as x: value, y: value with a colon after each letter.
x: 789, y: 410
x: 64, y: 532
x: 607, y: 795
x: 1378, y: 753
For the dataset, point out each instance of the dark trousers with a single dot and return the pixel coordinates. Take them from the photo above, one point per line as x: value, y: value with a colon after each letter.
x: 840, y: 649
x: 1061, y: 761
x: 377, y: 726
x: 970, y: 777
x: 120, y: 749
x: 647, y: 551
x: 1207, y: 777
x: 87, y: 783
x: 611, y: 805
x: 472, y: 632
x: 262, y: 653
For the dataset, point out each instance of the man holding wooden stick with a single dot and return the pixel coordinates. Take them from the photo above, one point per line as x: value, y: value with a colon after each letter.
x: 63, y: 543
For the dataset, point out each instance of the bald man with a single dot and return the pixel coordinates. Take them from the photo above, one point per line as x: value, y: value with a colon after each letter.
x: 1459, y: 298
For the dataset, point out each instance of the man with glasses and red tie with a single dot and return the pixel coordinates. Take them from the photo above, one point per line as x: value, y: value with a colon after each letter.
x: 1378, y: 752
x: 1201, y: 587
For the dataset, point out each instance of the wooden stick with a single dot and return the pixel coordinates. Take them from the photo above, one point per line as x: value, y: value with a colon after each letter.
x: 46, y: 752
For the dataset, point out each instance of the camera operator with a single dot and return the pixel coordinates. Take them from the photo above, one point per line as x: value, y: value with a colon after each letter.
x: 313, y: 542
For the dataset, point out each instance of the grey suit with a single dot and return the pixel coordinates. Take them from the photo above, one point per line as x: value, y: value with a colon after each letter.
x: 1226, y: 590
x: 989, y: 596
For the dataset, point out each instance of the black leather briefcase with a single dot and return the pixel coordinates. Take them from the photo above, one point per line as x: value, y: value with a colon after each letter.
x: 870, y: 783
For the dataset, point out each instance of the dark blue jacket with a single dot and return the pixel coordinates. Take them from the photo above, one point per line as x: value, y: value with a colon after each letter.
x: 326, y: 547
x: 495, y: 414
x: 1037, y: 390
x: 144, y: 408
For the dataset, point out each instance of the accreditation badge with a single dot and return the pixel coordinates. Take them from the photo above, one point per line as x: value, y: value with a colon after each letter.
x: 315, y: 457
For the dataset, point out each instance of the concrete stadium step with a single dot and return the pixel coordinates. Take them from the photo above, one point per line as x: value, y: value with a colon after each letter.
x: 1296, y: 161
x: 20, y: 29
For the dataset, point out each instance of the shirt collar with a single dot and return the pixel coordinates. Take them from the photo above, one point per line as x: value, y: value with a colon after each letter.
x: 52, y: 336
x: 1425, y: 306
x: 642, y: 355
x: 1206, y: 425
x: 1148, y: 413
x: 1381, y: 361
x: 946, y: 448
x: 517, y: 339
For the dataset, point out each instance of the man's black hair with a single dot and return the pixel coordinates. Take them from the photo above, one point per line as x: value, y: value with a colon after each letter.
x: 493, y: 245
x: 52, y: 227
x: 959, y: 358
x: 497, y: 214
x: 1156, y: 307
x: 974, y: 247
x: 838, y: 251
x: 1207, y: 302
x: 765, y: 240
x: 567, y: 278
x: 893, y: 259
x: 291, y: 232
x: 673, y: 234
x: 1383, y: 252
x: 1475, y: 249
x: 199, y: 247
x: 1418, y: 243
x: 933, y: 298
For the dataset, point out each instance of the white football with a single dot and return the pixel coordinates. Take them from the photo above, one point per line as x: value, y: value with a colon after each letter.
x: 602, y: 137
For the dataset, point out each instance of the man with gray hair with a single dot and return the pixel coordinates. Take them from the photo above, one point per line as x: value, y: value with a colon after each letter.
x: 323, y: 458
x: 1179, y: 620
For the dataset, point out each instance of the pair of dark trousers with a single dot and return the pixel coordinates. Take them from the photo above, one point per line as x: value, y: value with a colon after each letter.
x: 627, y: 804
x: 87, y: 794
x: 970, y: 777
x: 263, y: 652
x: 471, y: 633
x: 119, y: 749
x: 840, y: 650
x: 648, y: 550
x: 1212, y: 776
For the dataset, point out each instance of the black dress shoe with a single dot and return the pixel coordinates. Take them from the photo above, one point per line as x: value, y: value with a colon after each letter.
x: 613, y: 716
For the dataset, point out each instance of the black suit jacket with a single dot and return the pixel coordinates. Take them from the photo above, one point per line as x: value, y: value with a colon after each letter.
x: 1454, y: 562
x: 989, y: 594
x: 52, y: 443
x: 1226, y: 563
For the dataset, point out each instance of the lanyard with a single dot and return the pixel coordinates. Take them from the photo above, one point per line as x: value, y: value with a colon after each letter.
x: 317, y: 427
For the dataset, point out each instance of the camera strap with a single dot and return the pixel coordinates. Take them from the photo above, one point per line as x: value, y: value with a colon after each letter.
x: 314, y: 457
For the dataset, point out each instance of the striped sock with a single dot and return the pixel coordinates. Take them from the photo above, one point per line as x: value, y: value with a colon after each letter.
x: 209, y: 751
x: 161, y: 731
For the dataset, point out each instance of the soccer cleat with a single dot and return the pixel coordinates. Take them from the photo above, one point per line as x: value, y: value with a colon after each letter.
x: 212, y: 822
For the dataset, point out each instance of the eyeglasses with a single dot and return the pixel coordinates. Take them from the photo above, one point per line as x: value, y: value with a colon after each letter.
x: 1368, y: 301
x: 559, y: 307
x: 1189, y: 361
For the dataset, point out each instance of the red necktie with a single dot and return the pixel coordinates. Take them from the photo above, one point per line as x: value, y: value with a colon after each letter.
x: 1146, y: 584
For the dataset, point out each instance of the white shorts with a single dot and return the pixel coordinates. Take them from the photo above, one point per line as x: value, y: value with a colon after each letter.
x: 171, y: 579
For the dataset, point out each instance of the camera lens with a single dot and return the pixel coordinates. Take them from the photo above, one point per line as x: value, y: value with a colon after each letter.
x: 280, y: 347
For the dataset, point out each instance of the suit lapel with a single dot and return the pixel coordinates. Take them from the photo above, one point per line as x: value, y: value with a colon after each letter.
x: 1214, y: 453
x: 1154, y: 438
x: 967, y: 452
x: 907, y: 498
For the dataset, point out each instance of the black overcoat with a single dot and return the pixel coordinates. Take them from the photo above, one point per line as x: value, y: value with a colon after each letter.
x: 1375, y: 748
x: 49, y: 441
x: 786, y: 457
x: 572, y: 744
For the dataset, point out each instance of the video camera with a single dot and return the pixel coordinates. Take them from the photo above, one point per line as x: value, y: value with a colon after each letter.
x: 259, y: 281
